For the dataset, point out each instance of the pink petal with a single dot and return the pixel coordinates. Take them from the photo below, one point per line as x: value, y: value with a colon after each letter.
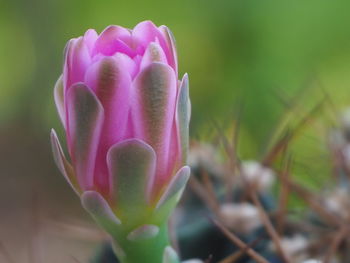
x: 145, y: 33
x: 111, y: 81
x: 171, y: 44
x: 137, y: 60
x: 77, y: 60
x: 127, y: 63
x: 90, y: 38
x: 85, y: 119
x: 153, y: 53
x: 59, y: 100
x: 183, y: 112
x: 174, y: 152
x: 113, y: 39
x: 129, y: 131
x: 153, y: 109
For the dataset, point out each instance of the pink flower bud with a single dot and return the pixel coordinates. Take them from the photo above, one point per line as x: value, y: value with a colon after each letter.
x: 125, y: 114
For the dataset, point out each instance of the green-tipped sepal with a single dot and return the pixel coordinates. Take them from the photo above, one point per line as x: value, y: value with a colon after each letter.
x: 137, y: 225
x: 170, y: 255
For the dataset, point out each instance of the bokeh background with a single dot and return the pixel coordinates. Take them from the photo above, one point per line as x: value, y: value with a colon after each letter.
x: 268, y: 63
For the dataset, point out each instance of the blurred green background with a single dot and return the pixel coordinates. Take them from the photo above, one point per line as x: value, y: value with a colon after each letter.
x: 252, y: 54
x: 249, y: 52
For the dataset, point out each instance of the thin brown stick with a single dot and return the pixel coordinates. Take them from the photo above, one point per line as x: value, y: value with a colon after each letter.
x: 291, y: 107
x: 201, y: 192
x: 235, y: 256
x: 251, y: 191
x: 210, y: 191
x: 314, y: 204
x: 339, y: 237
x: 311, y: 200
x: 238, y: 254
x: 232, y: 160
x: 280, y: 145
x: 5, y: 253
x: 238, y: 242
x: 283, y: 200
x: 269, y: 227
x: 277, y: 148
x: 337, y: 160
x: 225, y: 142
x: 235, y: 134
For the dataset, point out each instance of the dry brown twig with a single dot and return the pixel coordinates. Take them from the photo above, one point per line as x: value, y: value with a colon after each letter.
x: 238, y: 254
x: 286, y: 186
x: 311, y: 200
x: 339, y: 237
x: 239, y: 243
x: 283, y: 142
x: 233, y: 160
x: 270, y: 228
x: 210, y: 191
x: 252, y: 193
x: 283, y: 199
x: 198, y: 188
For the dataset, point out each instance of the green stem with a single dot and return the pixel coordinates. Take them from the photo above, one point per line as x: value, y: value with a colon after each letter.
x: 144, y: 250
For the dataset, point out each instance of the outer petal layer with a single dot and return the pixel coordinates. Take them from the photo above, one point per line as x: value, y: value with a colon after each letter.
x: 98, y: 207
x: 111, y: 81
x: 170, y: 255
x: 59, y: 100
x: 175, y: 187
x: 85, y: 118
x: 132, y: 166
x: 153, y: 112
x: 183, y: 109
x: 171, y: 44
x: 63, y: 165
x: 76, y: 62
